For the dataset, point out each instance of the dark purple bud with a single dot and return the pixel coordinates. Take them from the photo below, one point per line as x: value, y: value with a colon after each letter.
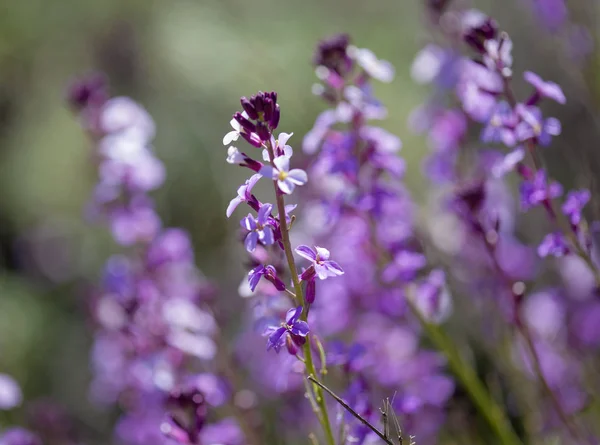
x: 332, y: 53
x: 311, y: 291
x: 87, y: 91
x: 308, y: 274
x: 263, y: 131
x: 271, y: 275
x: 274, y: 122
x: 245, y: 123
x: 269, y: 108
x: 249, y: 108
x: 252, y: 139
x: 252, y: 164
x: 478, y: 28
x: 291, y: 346
x: 258, y: 102
x: 273, y: 96
x: 472, y: 196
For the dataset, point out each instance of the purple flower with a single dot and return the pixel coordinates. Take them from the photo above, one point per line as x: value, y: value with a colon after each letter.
x: 267, y: 272
x: 536, y: 190
x: 543, y: 88
x: 293, y: 326
x: 10, y: 393
x: 553, y: 244
x: 286, y: 179
x: 137, y: 222
x: 88, y: 91
x: 321, y: 264
x: 405, y: 266
x: 508, y: 163
x: 381, y: 70
x: 574, y: 204
x: 19, y: 436
x: 260, y: 228
x: 500, y: 126
x: 243, y: 194
x: 534, y: 126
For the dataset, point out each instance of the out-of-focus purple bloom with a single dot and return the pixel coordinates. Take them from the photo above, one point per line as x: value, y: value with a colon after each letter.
x: 534, y: 126
x: 331, y: 53
x: 137, y: 222
x: 498, y: 55
x: 287, y: 179
x: 225, y: 432
x: 259, y: 228
x: 296, y: 328
x: 322, y: 266
x: 447, y: 131
x: 378, y: 69
x: 553, y: 244
x: 478, y: 88
x: 477, y: 28
x: 551, y: 13
x: 19, y: 436
x: 501, y: 125
x: 267, y: 272
x: 544, y: 88
x: 10, y: 393
x: 88, y: 91
x: 404, y: 267
x: 508, y: 163
x: 574, y: 204
x: 432, y: 298
x: 537, y: 190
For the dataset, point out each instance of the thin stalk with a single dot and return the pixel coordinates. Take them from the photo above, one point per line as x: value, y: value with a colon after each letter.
x: 309, y: 363
x: 491, y: 411
x: 348, y: 408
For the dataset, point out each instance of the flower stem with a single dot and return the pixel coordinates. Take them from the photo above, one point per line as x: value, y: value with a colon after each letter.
x: 309, y: 363
x: 487, y: 406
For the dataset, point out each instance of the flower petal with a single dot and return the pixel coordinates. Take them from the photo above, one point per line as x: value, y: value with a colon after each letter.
x: 266, y: 235
x: 230, y: 137
x: 300, y: 328
x: 282, y: 163
x: 293, y: 315
x: 298, y: 176
x: 306, y: 252
x: 233, y: 205
x: 283, y: 138
x: 287, y: 186
x: 322, y: 253
x: 251, y: 241
x: 264, y: 213
x: 333, y: 268
x: 268, y: 172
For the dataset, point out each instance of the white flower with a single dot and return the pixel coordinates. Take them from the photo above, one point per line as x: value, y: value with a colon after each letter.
x: 286, y: 179
x: 234, y: 156
x: 427, y: 64
x: 280, y: 145
x: 234, y: 134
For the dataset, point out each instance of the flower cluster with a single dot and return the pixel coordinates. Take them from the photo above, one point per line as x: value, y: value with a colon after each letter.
x: 154, y: 339
x: 361, y: 209
x: 267, y: 239
x: 483, y: 251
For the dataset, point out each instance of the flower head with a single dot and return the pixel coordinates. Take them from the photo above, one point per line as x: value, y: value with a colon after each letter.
x: 543, y: 88
x: 287, y: 179
x: 537, y: 190
x: 553, y: 244
x: 322, y: 266
x: 260, y: 228
x: 244, y: 194
x: 267, y: 272
x: 574, y: 204
x: 294, y: 327
x: 534, y: 126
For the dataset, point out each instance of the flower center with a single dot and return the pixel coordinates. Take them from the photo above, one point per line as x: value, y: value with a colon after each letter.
x: 282, y: 176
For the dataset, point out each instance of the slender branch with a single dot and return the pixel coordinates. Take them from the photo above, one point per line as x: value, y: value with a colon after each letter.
x: 348, y: 408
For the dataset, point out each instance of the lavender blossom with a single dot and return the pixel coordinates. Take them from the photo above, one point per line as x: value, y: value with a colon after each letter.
x: 294, y: 327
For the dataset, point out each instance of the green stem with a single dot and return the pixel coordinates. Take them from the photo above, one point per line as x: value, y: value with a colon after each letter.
x: 289, y: 255
x: 487, y: 406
